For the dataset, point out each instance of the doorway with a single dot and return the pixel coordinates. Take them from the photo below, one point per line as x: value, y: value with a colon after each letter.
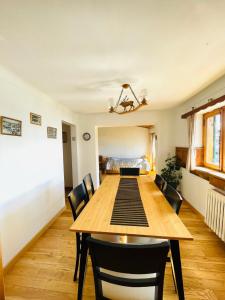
x: 126, y: 146
x: 67, y: 157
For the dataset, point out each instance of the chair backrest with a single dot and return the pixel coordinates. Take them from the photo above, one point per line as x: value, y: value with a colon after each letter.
x: 160, y: 182
x: 173, y: 197
x: 129, y: 171
x: 88, y: 184
x: 78, y: 199
x: 128, y: 258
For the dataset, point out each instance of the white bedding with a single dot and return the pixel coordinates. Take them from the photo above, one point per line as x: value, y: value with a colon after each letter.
x: 114, y: 164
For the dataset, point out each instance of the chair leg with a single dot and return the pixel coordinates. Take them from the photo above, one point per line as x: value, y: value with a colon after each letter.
x: 174, y: 279
x: 170, y: 260
x: 76, y: 267
x: 175, y: 251
x: 83, y: 261
x: 77, y: 256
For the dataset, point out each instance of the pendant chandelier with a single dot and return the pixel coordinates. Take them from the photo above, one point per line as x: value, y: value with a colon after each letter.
x: 125, y: 104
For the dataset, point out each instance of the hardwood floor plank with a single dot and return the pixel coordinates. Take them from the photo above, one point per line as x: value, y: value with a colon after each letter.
x: 45, y: 272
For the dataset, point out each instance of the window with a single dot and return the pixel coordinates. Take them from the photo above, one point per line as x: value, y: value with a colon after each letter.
x: 213, y: 139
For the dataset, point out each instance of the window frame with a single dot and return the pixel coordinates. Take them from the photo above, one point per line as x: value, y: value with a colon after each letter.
x: 217, y: 111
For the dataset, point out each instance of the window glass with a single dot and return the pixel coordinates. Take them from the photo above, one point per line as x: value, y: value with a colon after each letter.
x: 213, y: 132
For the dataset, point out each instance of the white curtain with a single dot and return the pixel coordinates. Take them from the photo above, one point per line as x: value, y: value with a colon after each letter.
x: 191, y: 120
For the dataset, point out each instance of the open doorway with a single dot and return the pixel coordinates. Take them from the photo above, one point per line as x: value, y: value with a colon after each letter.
x: 126, y: 146
x: 67, y: 157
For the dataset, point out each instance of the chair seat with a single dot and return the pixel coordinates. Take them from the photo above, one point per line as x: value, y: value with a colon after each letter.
x: 139, y: 240
x: 106, y: 237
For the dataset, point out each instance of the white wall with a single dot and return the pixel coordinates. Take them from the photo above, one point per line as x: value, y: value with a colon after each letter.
x: 125, y: 142
x: 195, y: 188
x: 162, y: 120
x: 67, y: 157
x: 31, y: 177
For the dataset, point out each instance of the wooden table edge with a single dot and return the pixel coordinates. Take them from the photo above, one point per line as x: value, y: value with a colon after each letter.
x: 190, y: 238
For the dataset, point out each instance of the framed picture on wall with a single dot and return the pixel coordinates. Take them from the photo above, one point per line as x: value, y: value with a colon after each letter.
x: 35, y: 119
x: 11, y: 126
x: 51, y: 132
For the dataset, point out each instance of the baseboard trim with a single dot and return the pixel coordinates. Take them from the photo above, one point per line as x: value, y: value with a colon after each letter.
x: 195, y: 210
x: 13, y: 261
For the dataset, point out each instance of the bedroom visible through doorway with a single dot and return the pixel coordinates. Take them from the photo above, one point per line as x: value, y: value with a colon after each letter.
x: 126, y: 146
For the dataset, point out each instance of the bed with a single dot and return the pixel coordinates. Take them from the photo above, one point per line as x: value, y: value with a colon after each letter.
x: 113, y: 164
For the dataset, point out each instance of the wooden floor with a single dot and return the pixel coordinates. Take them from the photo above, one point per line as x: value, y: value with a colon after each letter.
x: 46, y: 270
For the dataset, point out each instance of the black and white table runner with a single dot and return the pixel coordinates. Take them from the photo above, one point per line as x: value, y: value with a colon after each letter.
x: 128, y: 209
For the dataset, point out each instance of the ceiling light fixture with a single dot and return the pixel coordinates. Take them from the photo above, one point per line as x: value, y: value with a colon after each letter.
x: 125, y: 104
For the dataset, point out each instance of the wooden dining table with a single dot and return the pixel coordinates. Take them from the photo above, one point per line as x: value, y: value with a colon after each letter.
x: 163, y: 222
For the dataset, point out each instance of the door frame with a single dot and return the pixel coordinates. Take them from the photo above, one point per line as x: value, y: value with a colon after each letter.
x: 73, y: 133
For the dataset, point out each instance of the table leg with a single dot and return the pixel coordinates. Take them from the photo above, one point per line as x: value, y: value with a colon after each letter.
x: 175, y: 251
x: 83, y: 262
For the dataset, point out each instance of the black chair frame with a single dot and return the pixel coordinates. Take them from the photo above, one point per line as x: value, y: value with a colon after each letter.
x: 175, y: 200
x: 128, y: 258
x: 129, y: 171
x: 160, y: 182
x: 88, y: 179
x: 173, y: 197
x: 78, y: 198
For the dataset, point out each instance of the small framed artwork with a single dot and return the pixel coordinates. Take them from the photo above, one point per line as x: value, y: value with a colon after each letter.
x: 64, y: 137
x: 35, y: 119
x: 52, y: 132
x: 11, y: 126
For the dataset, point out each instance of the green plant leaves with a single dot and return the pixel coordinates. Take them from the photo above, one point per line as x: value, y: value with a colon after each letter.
x: 171, y: 172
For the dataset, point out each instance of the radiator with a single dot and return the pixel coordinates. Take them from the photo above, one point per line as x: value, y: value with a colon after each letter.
x: 215, y: 212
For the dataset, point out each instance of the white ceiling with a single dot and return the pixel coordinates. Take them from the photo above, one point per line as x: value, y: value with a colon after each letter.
x: 79, y: 52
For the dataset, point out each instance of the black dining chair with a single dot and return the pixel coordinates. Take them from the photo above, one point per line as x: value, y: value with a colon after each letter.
x: 173, y: 197
x: 160, y: 182
x: 129, y: 171
x: 116, y: 266
x: 78, y: 199
x: 88, y: 184
x: 175, y: 200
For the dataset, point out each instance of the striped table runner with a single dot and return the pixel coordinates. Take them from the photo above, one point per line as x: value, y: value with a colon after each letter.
x: 128, y: 209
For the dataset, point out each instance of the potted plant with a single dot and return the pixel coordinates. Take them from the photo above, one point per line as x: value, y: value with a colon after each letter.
x: 172, y: 173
